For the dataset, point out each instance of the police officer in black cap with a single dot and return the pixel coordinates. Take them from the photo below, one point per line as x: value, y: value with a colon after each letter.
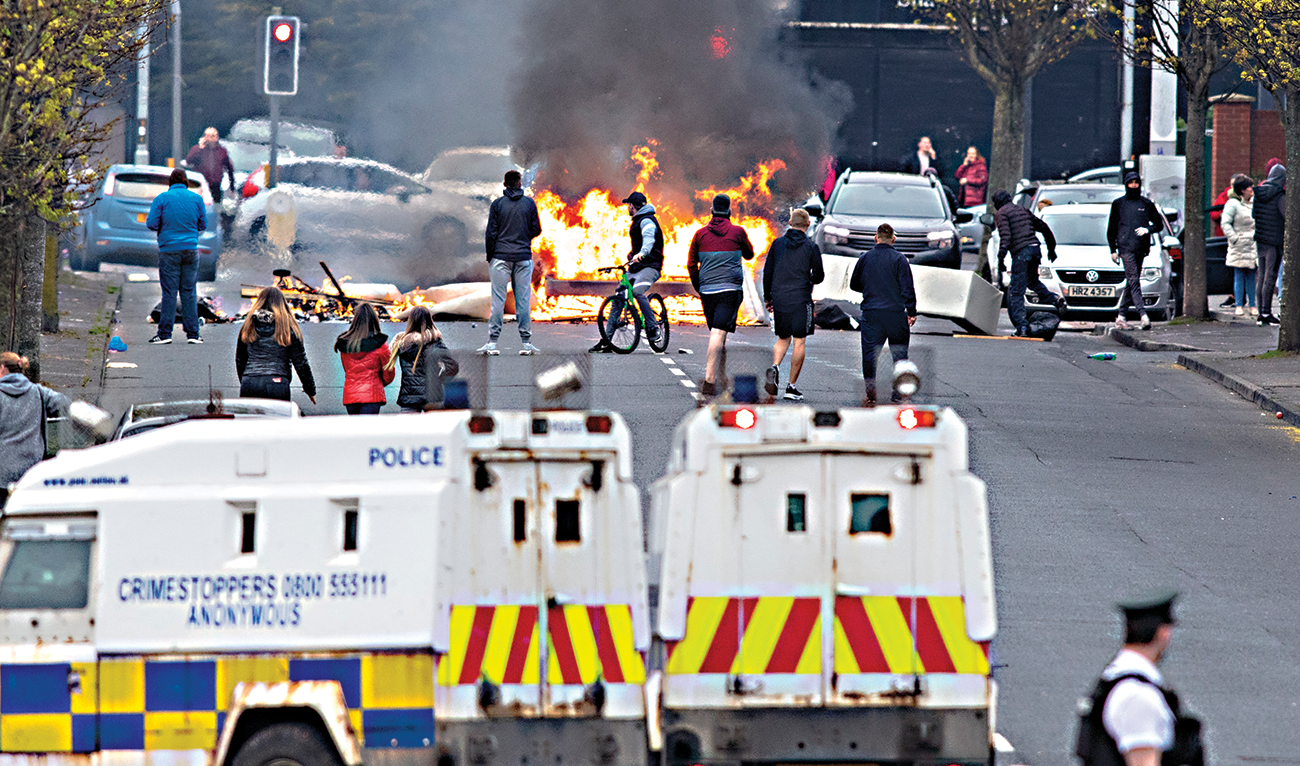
x: 1132, y: 719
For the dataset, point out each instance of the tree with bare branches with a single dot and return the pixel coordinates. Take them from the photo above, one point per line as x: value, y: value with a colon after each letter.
x: 1264, y: 36
x: 1008, y: 42
x: 59, y: 61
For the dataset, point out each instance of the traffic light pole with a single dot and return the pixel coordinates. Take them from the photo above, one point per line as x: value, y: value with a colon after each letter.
x: 273, y: 171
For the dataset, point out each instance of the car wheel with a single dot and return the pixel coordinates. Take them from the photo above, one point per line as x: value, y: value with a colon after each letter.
x: 445, y: 239
x: 287, y: 744
x: 87, y: 262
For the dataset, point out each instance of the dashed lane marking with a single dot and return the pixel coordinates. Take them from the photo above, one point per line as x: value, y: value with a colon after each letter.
x: 682, y: 377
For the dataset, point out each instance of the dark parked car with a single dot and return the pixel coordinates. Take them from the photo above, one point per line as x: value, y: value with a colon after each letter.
x: 916, y: 206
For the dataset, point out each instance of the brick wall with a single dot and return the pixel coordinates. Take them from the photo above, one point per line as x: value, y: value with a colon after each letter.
x: 1267, y: 140
x: 1233, y: 142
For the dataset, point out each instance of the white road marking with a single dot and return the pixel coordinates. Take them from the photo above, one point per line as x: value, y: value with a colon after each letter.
x: 1001, y: 744
x: 677, y: 372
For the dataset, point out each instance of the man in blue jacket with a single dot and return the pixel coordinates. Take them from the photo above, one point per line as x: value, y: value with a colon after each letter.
x: 884, y: 277
x: 513, y: 224
x: 178, y: 216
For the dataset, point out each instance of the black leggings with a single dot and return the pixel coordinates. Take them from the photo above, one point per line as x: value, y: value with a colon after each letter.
x: 363, y: 408
x: 265, y: 387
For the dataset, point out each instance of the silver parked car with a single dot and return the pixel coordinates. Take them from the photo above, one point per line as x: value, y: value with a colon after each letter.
x: 370, y: 220
x: 1083, y: 271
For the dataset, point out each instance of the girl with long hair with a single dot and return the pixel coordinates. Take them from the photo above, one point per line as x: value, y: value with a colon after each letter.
x: 411, y: 349
x: 365, y: 354
x: 269, y: 342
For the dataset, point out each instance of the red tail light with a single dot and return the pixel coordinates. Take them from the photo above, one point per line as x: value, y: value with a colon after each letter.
x: 1176, y: 253
x: 910, y: 418
x: 742, y: 417
x: 482, y: 424
x: 599, y: 424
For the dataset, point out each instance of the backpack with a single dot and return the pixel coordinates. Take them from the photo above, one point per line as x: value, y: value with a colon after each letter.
x: 1095, y: 747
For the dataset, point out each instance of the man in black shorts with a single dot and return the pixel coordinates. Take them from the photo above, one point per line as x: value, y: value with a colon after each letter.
x: 714, y: 263
x: 793, y: 266
x: 884, y: 277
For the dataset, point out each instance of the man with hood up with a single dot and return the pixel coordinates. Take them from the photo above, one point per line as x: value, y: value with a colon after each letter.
x: 1269, y: 210
x: 1133, y: 219
x: 792, y: 267
x: 24, y: 406
x: 513, y: 224
x: 645, y: 263
x: 714, y: 263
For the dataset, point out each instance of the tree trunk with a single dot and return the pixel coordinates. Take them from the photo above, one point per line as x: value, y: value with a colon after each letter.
x: 1288, y: 337
x: 22, y: 270
x: 1195, y: 302
x: 50, y: 291
x: 1007, y: 163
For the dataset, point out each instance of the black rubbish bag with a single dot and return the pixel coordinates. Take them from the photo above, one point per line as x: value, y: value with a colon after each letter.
x: 1043, y: 324
x: 208, y: 312
x: 830, y: 316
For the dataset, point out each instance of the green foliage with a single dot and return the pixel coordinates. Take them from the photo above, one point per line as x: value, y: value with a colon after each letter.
x: 1265, y: 36
x: 59, y: 60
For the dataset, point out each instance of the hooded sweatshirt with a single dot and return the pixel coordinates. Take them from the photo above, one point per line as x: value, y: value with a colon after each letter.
x: 24, y: 405
x: 1128, y: 214
x: 792, y: 267
x: 1270, y: 208
x: 265, y: 356
x: 714, y: 258
x: 513, y: 224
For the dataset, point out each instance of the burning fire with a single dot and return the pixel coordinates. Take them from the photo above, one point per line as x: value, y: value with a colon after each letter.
x: 582, y: 236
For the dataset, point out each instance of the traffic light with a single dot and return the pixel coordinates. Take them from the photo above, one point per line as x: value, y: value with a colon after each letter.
x: 280, y: 76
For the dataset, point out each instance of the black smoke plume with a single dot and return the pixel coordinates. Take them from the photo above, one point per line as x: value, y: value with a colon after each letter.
x: 708, y: 79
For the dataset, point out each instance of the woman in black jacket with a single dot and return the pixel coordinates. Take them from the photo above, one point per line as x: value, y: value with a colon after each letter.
x: 411, y: 348
x: 268, y: 342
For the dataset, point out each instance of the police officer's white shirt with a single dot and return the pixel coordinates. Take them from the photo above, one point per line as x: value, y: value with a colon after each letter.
x: 1136, y: 714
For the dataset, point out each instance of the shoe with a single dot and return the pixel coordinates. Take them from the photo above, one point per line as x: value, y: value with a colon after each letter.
x: 1239, y: 311
x: 793, y: 394
x: 1146, y: 322
x: 601, y: 348
x: 1271, y: 319
x: 1122, y: 323
x: 1060, y: 305
x: 708, y: 389
x: 1260, y: 320
x: 771, y: 379
x: 195, y: 340
x: 528, y: 350
x: 1228, y: 302
x: 869, y: 400
x: 1253, y: 311
x: 489, y: 349
x: 159, y: 340
x: 1022, y: 332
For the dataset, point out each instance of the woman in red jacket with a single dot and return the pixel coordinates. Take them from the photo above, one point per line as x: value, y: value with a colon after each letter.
x: 365, y: 363
x: 972, y: 179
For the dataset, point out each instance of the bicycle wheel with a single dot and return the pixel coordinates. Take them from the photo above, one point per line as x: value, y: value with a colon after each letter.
x: 660, y: 318
x: 627, y: 326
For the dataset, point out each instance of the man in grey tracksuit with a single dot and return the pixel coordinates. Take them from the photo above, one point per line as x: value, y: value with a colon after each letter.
x: 24, y: 406
x: 513, y: 224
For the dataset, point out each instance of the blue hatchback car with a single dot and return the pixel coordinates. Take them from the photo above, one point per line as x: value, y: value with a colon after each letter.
x: 112, y: 225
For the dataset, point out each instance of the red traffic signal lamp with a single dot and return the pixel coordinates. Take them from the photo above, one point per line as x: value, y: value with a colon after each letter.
x: 280, y: 75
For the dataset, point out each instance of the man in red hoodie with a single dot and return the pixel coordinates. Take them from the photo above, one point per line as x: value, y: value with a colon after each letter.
x: 714, y: 262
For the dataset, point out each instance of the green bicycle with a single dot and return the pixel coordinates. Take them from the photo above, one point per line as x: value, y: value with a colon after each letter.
x: 627, y: 321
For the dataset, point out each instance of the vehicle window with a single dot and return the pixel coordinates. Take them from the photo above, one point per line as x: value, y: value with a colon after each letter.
x: 46, y: 574
x: 1066, y: 196
x: 142, y: 185
x: 1025, y: 198
x: 320, y: 175
x: 306, y: 142
x: 389, y: 182
x: 796, y: 516
x: 477, y: 168
x: 870, y: 514
x: 247, y: 157
x: 1078, y: 229
x: 567, y: 528
x: 901, y: 201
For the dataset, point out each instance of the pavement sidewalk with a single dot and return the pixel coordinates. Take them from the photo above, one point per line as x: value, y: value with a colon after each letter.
x: 73, y: 359
x: 1232, y: 351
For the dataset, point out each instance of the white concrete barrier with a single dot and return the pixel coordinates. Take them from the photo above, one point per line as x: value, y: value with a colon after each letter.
x: 961, y: 297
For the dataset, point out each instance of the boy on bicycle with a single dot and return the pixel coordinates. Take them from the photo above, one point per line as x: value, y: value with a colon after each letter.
x: 644, y: 264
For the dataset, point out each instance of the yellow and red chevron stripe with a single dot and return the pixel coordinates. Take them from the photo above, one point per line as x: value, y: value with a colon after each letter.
x: 502, y: 643
x: 591, y: 641
x: 901, y: 634
x: 768, y: 634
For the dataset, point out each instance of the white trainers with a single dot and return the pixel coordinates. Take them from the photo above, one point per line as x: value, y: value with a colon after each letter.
x: 528, y: 350
x: 1146, y: 322
x: 1122, y: 323
x: 1239, y: 311
x: 489, y: 349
